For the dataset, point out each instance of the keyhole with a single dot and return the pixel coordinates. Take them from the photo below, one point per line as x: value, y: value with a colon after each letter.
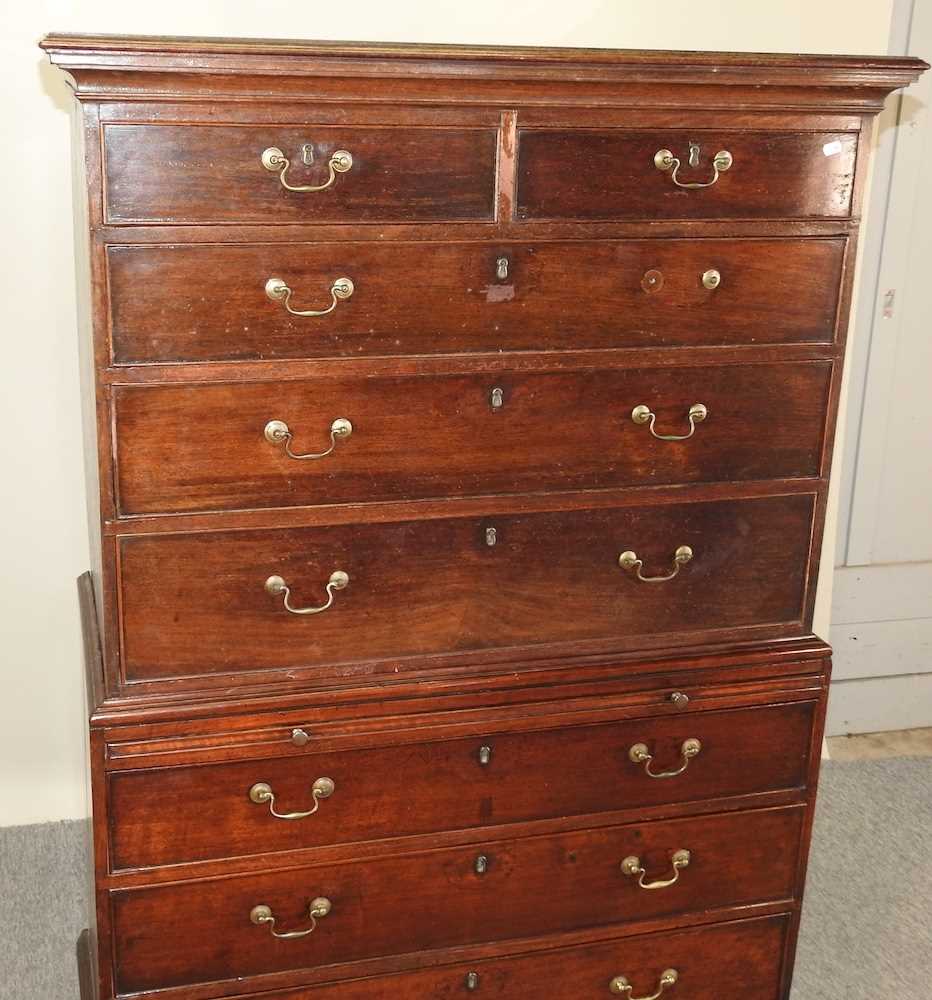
x: 501, y: 268
x: 694, y: 154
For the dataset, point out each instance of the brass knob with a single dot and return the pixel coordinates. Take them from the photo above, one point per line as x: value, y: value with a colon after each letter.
x: 652, y: 281
x: 679, y: 699
x: 300, y: 738
x: 711, y: 278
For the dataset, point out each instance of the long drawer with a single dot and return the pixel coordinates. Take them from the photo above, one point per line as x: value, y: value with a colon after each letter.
x: 208, y: 302
x: 225, y: 174
x: 216, y: 447
x: 311, y: 799
x: 501, y: 890
x: 739, y: 960
x: 672, y: 174
x: 217, y: 602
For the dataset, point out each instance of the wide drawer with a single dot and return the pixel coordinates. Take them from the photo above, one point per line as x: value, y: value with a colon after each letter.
x: 205, y: 302
x: 738, y: 960
x: 501, y: 890
x: 215, y: 174
x: 482, y: 781
x: 208, y: 446
x: 212, y: 602
x: 614, y: 174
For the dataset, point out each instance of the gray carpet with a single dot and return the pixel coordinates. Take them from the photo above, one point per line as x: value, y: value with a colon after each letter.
x: 867, y: 925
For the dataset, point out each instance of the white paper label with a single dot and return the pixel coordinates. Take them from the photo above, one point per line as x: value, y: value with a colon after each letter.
x: 831, y: 148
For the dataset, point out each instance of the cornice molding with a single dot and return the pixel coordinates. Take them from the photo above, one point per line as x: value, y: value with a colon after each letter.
x: 125, y: 68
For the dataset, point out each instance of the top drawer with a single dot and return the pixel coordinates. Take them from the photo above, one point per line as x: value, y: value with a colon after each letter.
x: 200, y: 174
x: 625, y: 174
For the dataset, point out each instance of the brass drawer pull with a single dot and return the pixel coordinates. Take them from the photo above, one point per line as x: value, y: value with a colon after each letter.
x: 711, y: 279
x: 275, y: 585
x: 639, y: 754
x: 275, y: 160
x: 278, y: 291
x: 632, y: 866
x: 620, y: 984
x: 317, y: 909
x: 629, y: 560
x: 664, y: 160
x: 323, y: 788
x: 278, y: 432
x: 644, y: 415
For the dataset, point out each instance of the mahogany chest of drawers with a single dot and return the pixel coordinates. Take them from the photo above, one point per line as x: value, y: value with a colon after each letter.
x: 459, y: 426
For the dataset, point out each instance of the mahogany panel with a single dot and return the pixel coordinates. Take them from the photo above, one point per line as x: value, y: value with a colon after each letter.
x: 181, y: 174
x: 157, y: 815
x: 437, y: 899
x: 207, y: 302
x: 739, y: 960
x: 195, y: 604
x: 202, y: 447
x: 610, y: 174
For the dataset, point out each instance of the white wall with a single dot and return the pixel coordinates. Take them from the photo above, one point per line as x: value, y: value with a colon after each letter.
x: 41, y: 502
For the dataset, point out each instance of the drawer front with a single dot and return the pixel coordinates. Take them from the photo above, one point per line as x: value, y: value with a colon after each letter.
x: 208, y: 302
x: 482, y: 781
x: 498, y: 891
x: 201, y: 603
x: 612, y: 174
x: 197, y: 174
x: 740, y: 960
x: 203, y: 447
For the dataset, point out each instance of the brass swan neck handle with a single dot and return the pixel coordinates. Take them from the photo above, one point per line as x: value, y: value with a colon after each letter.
x: 273, y: 159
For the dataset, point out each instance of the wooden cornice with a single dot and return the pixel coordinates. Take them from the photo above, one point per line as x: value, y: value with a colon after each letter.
x: 138, y: 68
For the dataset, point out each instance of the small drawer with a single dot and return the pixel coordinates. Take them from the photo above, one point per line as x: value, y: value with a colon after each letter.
x: 208, y: 302
x: 740, y: 960
x: 203, y: 174
x: 418, y: 590
x: 700, y: 174
x: 173, y: 815
x: 496, y: 891
x: 295, y: 443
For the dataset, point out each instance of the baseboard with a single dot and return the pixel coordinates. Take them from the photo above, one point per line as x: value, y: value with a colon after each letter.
x: 879, y: 704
